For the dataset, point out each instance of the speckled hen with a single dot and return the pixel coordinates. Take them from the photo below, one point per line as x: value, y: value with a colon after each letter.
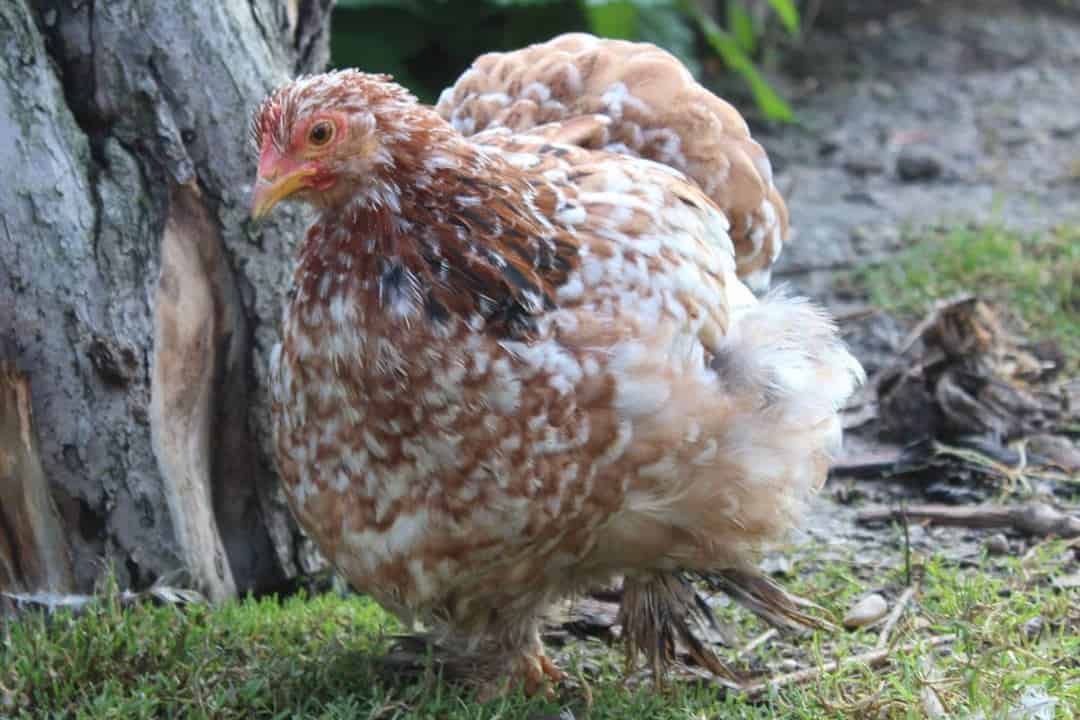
x: 515, y: 364
x: 633, y: 99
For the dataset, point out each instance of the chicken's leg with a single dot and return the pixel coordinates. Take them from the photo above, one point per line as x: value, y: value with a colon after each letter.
x: 530, y: 668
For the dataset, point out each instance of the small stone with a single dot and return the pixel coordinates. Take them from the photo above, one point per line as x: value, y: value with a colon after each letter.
x: 1065, y: 128
x: 564, y: 714
x: 590, y: 668
x: 866, y: 612
x: 883, y: 90
x: 860, y: 197
x: 831, y: 143
x: 917, y: 164
x: 863, y: 165
x: 1066, y: 582
x: 918, y: 535
x: 777, y: 564
x: 1057, y: 450
x: 997, y: 544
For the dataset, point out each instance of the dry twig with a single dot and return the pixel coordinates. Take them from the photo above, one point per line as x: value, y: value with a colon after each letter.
x: 874, y: 658
x: 894, y: 616
x: 1032, y: 518
x: 757, y: 642
x: 931, y: 702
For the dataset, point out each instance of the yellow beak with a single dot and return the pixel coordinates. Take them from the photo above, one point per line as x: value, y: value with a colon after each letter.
x: 269, y: 193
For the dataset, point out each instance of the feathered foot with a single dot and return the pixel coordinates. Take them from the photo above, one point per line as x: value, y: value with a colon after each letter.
x: 766, y: 599
x: 656, y: 611
x: 661, y: 608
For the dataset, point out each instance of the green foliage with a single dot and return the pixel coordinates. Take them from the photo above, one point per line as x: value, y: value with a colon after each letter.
x: 426, y: 44
x: 741, y: 26
x: 788, y: 13
x: 735, y: 53
x: 1036, y: 275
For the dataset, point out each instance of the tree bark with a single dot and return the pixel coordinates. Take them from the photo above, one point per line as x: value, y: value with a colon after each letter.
x: 134, y: 292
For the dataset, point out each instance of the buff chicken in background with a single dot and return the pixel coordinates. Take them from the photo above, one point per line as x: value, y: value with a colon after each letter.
x: 521, y: 357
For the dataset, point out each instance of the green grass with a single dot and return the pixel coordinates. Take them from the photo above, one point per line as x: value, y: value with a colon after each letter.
x: 313, y: 657
x: 1037, y: 276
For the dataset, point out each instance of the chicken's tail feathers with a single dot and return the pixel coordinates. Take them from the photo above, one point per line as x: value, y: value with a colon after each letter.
x: 768, y: 600
x: 661, y: 611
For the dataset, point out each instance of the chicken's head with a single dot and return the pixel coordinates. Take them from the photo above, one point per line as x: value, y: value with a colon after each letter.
x: 329, y: 139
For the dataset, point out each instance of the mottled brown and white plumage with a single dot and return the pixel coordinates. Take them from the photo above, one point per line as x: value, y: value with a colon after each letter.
x: 513, y: 367
x: 640, y: 101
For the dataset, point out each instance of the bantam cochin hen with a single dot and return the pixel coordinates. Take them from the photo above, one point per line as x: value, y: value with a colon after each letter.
x: 519, y: 361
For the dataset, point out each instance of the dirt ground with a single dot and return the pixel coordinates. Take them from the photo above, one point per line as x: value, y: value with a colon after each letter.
x: 924, y: 115
x: 930, y: 114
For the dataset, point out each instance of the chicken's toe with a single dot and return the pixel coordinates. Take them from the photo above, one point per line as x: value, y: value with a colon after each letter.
x: 551, y: 670
x: 534, y: 673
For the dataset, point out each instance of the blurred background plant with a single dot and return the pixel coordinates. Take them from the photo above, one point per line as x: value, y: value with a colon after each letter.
x: 426, y: 44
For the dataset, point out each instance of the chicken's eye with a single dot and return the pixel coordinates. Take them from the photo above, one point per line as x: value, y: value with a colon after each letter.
x: 321, y: 133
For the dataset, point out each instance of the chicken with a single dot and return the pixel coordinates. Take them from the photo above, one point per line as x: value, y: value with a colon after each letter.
x: 642, y: 102
x: 514, y: 366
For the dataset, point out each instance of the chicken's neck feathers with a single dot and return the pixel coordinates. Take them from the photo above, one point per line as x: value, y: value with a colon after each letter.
x: 457, y: 233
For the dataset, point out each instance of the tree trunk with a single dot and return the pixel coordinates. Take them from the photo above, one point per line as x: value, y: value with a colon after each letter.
x: 134, y: 292
x: 33, y: 550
